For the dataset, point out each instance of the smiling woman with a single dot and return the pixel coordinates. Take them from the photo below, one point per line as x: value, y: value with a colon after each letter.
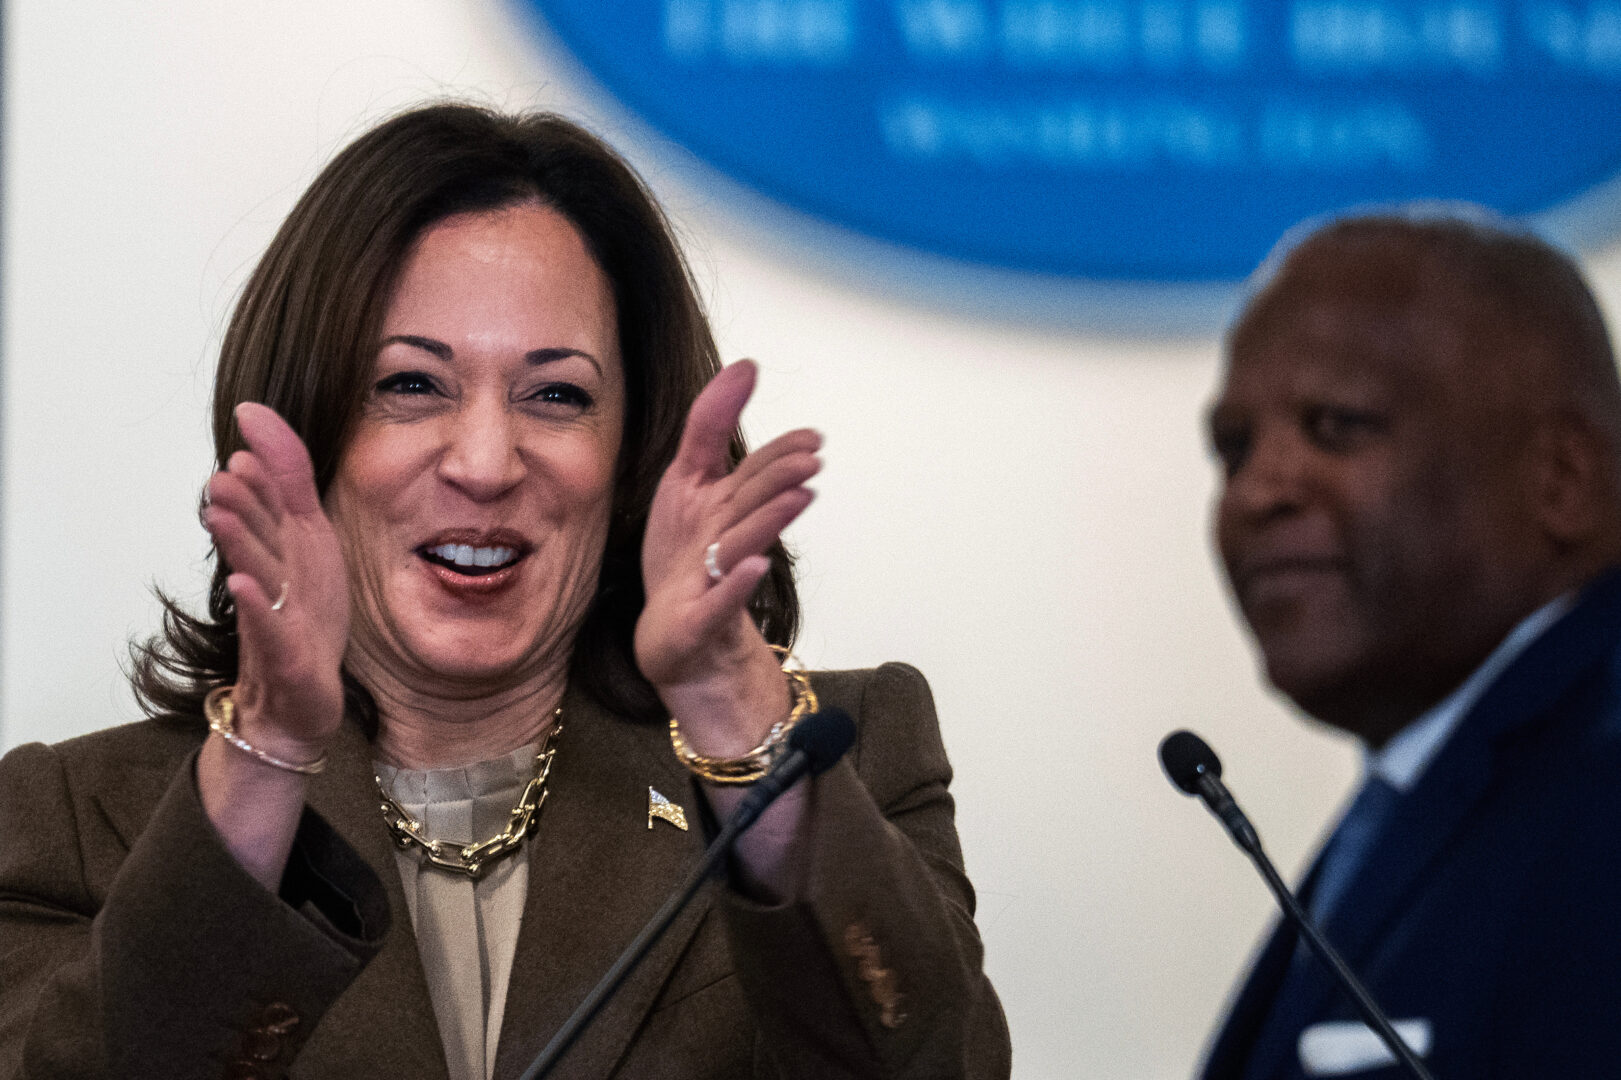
x: 475, y: 493
x: 488, y: 544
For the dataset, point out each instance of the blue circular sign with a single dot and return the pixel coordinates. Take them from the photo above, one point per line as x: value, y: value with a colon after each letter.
x: 1162, y: 140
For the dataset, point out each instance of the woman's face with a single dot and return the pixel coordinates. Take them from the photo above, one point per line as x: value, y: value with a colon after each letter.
x: 473, y: 498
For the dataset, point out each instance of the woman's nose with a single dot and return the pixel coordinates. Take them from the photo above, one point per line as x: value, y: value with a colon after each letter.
x: 482, y: 457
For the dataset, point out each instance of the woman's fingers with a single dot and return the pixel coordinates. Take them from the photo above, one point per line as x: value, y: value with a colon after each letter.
x: 250, y: 470
x: 759, y: 506
x: 228, y: 494
x: 694, y: 624
x: 719, y: 605
x: 713, y: 417
x: 801, y: 442
x: 760, y: 529
x: 244, y: 550
x: 748, y: 506
x: 278, y: 448
x: 251, y: 504
x: 253, y: 608
x: 267, y: 654
x: 259, y: 484
x: 287, y: 584
x: 765, y: 484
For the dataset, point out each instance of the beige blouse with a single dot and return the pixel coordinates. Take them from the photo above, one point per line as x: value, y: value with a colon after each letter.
x: 466, y: 930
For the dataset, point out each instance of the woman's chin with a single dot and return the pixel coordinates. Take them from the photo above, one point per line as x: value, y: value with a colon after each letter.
x: 496, y: 665
x: 490, y: 656
x: 424, y: 639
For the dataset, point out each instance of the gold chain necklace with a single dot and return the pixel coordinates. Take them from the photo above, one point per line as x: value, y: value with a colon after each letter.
x: 474, y: 858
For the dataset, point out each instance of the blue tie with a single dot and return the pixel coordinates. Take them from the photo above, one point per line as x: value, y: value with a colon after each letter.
x: 1347, y: 849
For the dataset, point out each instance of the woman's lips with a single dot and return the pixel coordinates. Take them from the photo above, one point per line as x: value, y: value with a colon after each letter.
x: 470, y: 585
x: 470, y: 564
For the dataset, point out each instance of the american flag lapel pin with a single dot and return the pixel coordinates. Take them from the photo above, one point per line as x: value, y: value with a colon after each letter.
x: 660, y: 807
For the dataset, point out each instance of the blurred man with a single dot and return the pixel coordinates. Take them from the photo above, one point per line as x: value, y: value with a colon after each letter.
x: 1420, y: 430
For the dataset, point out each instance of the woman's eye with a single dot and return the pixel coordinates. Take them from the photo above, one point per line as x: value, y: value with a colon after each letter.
x: 562, y: 393
x: 407, y: 382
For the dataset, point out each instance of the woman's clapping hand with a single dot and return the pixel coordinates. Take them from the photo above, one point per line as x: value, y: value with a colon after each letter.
x: 695, y: 641
x: 289, y: 588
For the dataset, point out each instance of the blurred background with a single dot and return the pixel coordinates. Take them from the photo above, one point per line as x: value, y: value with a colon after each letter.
x: 1016, y: 485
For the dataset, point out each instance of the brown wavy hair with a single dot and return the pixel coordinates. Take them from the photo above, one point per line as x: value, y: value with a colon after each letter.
x: 305, y: 333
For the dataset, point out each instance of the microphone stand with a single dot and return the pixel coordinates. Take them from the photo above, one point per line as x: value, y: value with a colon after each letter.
x: 1369, y: 1009
x: 638, y: 948
x: 1194, y: 767
x: 819, y: 741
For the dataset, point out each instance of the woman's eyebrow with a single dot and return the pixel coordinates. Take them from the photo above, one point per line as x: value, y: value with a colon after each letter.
x: 437, y: 348
x: 547, y: 356
x: 533, y: 357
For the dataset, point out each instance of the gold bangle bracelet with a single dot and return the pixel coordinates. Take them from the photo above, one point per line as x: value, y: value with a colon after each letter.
x: 220, y: 709
x: 749, y: 767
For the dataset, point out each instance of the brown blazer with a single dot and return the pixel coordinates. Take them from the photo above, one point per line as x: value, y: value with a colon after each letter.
x: 133, y: 945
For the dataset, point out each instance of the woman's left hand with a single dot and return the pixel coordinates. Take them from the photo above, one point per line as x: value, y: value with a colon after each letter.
x: 695, y: 640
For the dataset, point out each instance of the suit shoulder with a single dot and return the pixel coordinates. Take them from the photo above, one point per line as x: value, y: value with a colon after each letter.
x: 897, y: 732
x: 91, y: 796
x: 891, y: 683
x: 155, y: 741
x: 142, y: 754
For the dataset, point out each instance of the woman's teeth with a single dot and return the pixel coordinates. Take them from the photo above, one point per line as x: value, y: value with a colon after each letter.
x: 465, y: 556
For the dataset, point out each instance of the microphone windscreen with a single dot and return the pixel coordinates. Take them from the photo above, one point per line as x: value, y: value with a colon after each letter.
x: 823, y: 737
x: 1186, y: 757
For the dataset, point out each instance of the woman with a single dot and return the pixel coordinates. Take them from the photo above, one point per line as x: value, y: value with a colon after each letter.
x: 483, y: 526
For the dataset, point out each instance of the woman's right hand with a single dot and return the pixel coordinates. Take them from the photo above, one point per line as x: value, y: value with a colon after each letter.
x: 266, y: 519
x: 292, y: 622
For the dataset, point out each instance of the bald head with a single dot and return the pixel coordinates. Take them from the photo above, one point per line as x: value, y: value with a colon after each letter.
x: 1420, y: 428
x: 1519, y: 307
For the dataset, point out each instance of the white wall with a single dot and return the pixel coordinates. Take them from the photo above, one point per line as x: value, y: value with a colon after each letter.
x: 1018, y: 510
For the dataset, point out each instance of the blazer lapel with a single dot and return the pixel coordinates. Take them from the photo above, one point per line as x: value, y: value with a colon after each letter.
x: 389, y: 1000
x: 597, y: 873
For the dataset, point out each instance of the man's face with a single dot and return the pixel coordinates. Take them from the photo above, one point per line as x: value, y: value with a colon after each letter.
x: 1374, y: 519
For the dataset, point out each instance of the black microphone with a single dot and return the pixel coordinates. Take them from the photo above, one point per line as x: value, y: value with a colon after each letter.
x: 1194, y: 767
x: 814, y: 745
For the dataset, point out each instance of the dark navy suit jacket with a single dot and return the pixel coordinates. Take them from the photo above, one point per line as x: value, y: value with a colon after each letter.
x: 1491, y: 907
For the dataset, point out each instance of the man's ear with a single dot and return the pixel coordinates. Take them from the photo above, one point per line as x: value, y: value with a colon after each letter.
x: 1572, y: 478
